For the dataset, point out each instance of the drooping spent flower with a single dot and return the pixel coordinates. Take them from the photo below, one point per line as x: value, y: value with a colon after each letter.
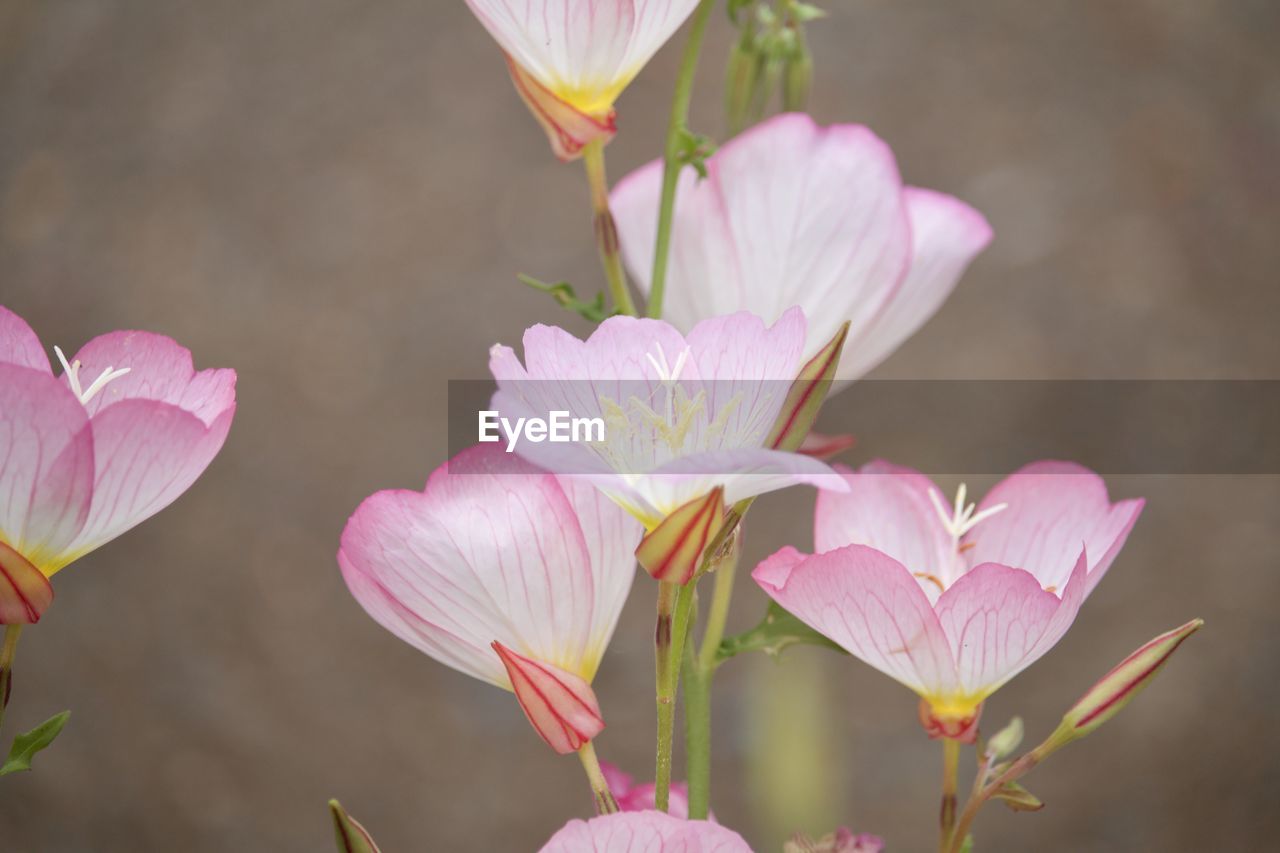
x: 686, y: 419
x: 952, y: 600
x: 645, y: 832
x: 504, y: 572
x: 84, y: 457
x: 571, y: 59
x: 796, y: 214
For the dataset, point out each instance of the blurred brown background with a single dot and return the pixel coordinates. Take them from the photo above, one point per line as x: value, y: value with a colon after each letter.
x: 333, y: 197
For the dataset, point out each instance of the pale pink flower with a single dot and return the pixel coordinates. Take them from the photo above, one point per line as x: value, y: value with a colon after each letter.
x: 683, y: 414
x: 570, y: 59
x: 644, y: 832
x: 633, y: 797
x: 952, y: 600
x: 84, y: 457
x: 796, y: 214
x: 503, y: 572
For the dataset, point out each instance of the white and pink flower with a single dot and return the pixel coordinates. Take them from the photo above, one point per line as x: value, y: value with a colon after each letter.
x: 952, y: 600
x: 571, y: 59
x: 645, y: 832
x: 683, y: 414
x: 504, y: 572
x: 85, y: 456
x: 793, y: 214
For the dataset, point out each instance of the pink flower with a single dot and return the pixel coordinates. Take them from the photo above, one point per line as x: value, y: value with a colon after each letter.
x: 644, y: 832
x: 952, y: 600
x: 503, y: 572
x: 842, y: 840
x: 683, y: 414
x: 570, y: 59
x: 126, y: 429
x: 795, y: 214
x: 638, y: 798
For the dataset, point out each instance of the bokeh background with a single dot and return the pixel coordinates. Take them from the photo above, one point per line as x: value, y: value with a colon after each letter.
x: 334, y: 196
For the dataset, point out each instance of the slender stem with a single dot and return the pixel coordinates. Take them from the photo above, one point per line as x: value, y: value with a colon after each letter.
x: 7, y: 652
x: 950, y: 765
x: 679, y: 603
x: 605, y: 802
x: 605, y: 228
x: 699, y: 671
x: 1016, y: 770
x: 671, y: 156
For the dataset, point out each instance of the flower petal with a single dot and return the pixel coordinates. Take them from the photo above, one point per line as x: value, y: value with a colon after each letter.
x: 946, y: 236
x: 1054, y: 508
x: 147, y: 454
x: 46, y: 464
x: 888, y: 508
x: 644, y: 832
x: 491, y: 550
x: 870, y: 605
x: 25, y: 593
x: 568, y: 129
x: 159, y: 369
x: 19, y: 345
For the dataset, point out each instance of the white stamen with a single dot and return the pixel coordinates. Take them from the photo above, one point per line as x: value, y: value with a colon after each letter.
x: 961, y: 520
x: 667, y: 374
x: 72, y: 372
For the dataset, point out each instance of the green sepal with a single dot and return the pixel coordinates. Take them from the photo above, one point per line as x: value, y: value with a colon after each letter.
x: 563, y: 293
x: 1018, y: 798
x: 778, y: 630
x: 26, y: 745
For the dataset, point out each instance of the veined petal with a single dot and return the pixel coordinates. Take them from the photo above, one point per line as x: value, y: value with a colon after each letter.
x: 871, y: 606
x: 743, y: 473
x: 644, y: 832
x: 19, y: 345
x: 586, y: 51
x: 1053, y: 509
x: 147, y: 453
x: 568, y: 128
x: 159, y: 369
x: 491, y: 550
x: 946, y: 235
x: 561, y: 707
x: 888, y: 508
x: 46, y: 464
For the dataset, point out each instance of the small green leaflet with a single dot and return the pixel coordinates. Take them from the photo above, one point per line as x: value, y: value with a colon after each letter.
x: 563, y: 293
x: 775, y: 632
x: 26, y: 745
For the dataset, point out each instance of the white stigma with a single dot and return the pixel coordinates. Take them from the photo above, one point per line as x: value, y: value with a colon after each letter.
x: 72, y: 372
x: 666, y: 374
x: 960, y: 519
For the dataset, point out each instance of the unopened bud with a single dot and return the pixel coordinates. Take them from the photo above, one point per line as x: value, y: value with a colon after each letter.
x: 1003, y: 743
x: 351, y: 837
x: 797, y: 78
x: 1118, y: 687
x: 807, y: 394
x: 25, y: 592
x: 672, y: 551
x: 561, y: 706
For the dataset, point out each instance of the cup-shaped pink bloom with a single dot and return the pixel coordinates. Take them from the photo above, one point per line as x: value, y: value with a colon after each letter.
x: 504, y: 572
x: 84, y: 457
x: 570, y: 59
x: 682, y: 414
x: 796, y: 214
x: 952, y: 600
x: 639, y: 797
x: 645, y: 832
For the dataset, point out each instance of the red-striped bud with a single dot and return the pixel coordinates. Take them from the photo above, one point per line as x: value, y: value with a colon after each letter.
x: 560, y: 705
x: 25, y: 593
x: 672, y: 551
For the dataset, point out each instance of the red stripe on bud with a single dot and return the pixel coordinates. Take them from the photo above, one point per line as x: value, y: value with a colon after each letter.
x: 561, y: 706
x: 806, y: 395
x: 821, y: 446
x: 568, y: 128
x: 350, y: 835
x: 25, y: 593
x: 672, y: 551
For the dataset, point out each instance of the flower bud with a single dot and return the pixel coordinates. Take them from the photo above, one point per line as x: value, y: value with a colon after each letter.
x: 560, y: 705
x: 798, y: 77
x: 672, y: 551
x: 1105, y: 699
x: 1004, y: 742
x: 25, y: 593
x: 807, y: 394
x: 350, y: 835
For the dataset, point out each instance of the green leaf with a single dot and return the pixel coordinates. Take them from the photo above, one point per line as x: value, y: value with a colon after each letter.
x: 1018, y: 798
x: 26, y: 745
x: 693, y: 149
x: 778, y: 630
x: 562, y: 292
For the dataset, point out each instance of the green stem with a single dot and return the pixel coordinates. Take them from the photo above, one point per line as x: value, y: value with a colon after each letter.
x: 979, y: 797
x: 604, y: 799
x: 950, y: 765
x: 675, y: 606
x: 7, y: 652
x: 671, y: 156
x: 699, y: 671
x: 605, y: 228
